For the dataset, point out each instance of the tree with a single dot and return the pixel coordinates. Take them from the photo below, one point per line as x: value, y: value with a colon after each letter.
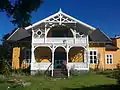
x: 20, y: 10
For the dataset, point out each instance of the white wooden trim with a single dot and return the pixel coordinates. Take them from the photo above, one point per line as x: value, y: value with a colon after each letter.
x: 39, y: 22
x: 60, y: 12
x: 106, y: 58
x: 13, y: 33
x: 79, y: 21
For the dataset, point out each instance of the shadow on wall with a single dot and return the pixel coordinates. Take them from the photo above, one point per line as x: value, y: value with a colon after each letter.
x: 100, y: 87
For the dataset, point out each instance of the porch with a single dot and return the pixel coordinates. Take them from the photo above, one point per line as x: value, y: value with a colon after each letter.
x: 47, y: 60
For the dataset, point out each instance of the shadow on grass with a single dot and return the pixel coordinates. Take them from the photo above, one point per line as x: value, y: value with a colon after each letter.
x: 100, y: 87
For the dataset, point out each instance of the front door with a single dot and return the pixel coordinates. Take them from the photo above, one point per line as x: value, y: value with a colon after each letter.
x: 59, y: 58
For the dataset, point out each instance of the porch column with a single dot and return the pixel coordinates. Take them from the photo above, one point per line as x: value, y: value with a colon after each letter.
x: 85, y: 55
x: 67, y: 51
x: 32, y: 54
x: 52, y: 60
x: 32, y: 48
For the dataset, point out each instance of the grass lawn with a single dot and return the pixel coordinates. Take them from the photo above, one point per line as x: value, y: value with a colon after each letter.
x: 82, y: 82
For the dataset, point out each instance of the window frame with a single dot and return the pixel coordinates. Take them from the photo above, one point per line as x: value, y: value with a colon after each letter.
x: 25, y: 56
x: 109, y: 58
x: 93, y: 59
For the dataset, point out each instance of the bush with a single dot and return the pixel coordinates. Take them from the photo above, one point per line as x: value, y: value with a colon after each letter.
x: 5, y: 68
x: 117, y: 74
x: 2, y: 78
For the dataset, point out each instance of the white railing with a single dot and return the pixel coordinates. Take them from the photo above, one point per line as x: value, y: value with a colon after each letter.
x: 38, y: 40
x: 78, y: 66
x: 80, y: 40
x: 59, y: 40
x: 40, y: 66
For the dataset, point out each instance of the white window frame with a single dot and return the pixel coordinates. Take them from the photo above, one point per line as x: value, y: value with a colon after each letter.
x: 109, y: 58
x: 93, y: 56
x: 25, y: 56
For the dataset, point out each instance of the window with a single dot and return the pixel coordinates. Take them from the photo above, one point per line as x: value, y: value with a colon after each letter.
x: 93, y: 57
x: 109, y: 58
x: 27, y: 56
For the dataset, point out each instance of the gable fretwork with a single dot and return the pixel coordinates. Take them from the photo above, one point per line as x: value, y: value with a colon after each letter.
x: 60, y: 28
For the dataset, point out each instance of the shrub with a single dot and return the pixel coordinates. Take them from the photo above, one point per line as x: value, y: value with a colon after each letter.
x: 5, y: 67
x: 2, y: 78
x: 117, y: 74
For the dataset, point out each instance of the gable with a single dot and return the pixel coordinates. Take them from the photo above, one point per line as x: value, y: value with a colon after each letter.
x: 60, y: 18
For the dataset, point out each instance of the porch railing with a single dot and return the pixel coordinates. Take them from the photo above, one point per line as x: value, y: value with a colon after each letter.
x: 82, y: 40
x: 59, y: 40
x: 40, y: 66
x: 78, y: 66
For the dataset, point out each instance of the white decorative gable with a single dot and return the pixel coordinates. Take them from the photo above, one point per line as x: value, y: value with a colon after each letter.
x: 60, y: 18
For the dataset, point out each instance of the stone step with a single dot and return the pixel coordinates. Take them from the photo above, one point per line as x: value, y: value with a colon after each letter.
x: 59, y: 73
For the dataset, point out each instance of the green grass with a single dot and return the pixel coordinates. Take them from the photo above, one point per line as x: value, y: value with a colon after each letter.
x: 81, y: 82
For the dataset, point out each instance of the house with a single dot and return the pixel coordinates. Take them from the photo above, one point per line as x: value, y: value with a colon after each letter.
x: 45, y: 45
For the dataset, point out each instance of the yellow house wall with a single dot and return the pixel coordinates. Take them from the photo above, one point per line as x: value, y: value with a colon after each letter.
x: 100, y: 50
x: 18, y: 58
x: 15, y: 58
x: 117, y: 55
x: 118, y: 42
x: 103, y: 52
x: 111, y: 66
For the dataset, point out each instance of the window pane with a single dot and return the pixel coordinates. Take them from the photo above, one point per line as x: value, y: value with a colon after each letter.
x: 94, y: 52
x: 91, y: 61
x: 110, y: 60
x: 90, y: 52
x: 95, y: 61
x: 95, y: 57
x: 107, y: 62
x: 91, y: 57
x: 110, y: 55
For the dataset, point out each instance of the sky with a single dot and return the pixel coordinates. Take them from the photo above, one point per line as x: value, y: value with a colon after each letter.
x: 103, y: 14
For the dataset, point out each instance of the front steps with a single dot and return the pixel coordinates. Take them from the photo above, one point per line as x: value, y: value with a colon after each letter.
x: 60, y: 73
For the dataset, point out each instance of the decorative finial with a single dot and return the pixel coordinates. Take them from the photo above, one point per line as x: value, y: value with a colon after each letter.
x: 60, y: 10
